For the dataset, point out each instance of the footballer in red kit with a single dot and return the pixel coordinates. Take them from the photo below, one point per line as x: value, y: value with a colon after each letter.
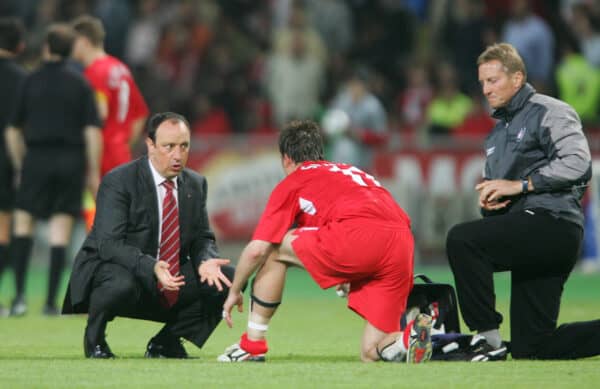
x: 346, y: 221
x: 115, y: 87
x: 120, y: 103
x: 345, y: 229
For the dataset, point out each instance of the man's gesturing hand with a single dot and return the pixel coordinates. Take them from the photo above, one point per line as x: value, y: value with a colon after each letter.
x: 210, y: 271
x: 166, y: 279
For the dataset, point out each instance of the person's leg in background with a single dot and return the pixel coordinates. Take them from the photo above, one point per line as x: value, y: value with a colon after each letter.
x: 20, y: 252
x: 60, y: 229
x: 5, y: 221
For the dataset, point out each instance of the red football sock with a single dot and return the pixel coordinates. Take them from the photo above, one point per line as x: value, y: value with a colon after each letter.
x: 253, y: 346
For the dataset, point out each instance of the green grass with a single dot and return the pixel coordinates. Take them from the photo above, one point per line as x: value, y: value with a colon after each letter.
x: 314, y: 342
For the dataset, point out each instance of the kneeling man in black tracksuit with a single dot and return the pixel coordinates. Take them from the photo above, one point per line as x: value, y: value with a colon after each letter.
x: 537, y: 167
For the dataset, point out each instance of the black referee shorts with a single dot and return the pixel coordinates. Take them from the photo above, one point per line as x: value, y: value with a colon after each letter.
x: 7, y: 186
x: 52, y: 182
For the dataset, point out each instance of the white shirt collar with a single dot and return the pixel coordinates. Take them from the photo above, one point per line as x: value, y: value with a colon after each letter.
x: 158, y: 178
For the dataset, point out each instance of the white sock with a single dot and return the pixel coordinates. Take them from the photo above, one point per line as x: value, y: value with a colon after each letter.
x: 257, y: 326
x: 492, y: 337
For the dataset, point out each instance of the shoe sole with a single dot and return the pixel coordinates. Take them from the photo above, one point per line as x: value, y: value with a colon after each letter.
x: 420, y: 349
x: 256, y: 358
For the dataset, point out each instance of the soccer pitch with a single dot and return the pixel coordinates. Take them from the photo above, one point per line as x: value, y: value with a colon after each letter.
x: 314, y: 341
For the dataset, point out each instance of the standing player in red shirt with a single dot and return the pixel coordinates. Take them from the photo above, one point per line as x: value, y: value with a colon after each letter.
x: 120, y: 103
x: 349, y: 231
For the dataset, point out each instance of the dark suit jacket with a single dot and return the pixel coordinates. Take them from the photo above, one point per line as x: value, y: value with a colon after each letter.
x: 125, y: 230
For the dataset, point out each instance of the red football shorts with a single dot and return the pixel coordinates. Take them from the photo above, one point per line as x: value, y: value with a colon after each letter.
x: 376, y: 258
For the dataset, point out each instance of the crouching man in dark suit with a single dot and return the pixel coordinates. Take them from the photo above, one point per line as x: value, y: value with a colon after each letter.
x: 151, y: 253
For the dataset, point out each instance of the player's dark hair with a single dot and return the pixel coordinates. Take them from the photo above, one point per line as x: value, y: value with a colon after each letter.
x: 91, y: 28
x: 60, y: 38
x: 159, y: 118
x: 301, y: 140
x: 12, y: 33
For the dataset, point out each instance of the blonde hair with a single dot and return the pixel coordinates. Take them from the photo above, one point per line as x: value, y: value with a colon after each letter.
x: 507, y: 55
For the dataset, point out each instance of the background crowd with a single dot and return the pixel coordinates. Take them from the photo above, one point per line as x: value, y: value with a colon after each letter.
x: 243, y: 66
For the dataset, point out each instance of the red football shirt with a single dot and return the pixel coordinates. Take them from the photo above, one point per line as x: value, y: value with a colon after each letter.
x: 319, y: 192
x: 112, y: 81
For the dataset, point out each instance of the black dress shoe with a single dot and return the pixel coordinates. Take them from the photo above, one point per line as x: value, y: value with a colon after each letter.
x: 97, y: 351
x: 168, y: 347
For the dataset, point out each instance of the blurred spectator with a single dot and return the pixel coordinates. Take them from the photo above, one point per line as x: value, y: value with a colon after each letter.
x: 209, y: 119
x: 143, y: 36
x: 533, y: 39
x: 116, y: 16
x: 462, y: 40
x: 367, y: 128
x: 477, y: 124
x: 413, y: 101
x: 259, y: 119
x: 298, y: 23
x: 449, y: 107
x: 585, y: 26
x: 294, y: 81
x: 333, y: 21
x: 578, y: 83
x: 387, y: 38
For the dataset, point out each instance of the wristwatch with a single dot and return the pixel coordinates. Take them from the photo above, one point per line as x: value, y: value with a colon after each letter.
x: 525, y: 186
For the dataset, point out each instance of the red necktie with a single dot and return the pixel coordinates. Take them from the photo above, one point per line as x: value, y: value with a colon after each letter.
x: 169, y: 240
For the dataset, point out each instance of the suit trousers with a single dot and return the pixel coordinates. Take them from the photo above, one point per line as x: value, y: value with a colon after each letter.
x: 116, y: 292
x: 540, y: 251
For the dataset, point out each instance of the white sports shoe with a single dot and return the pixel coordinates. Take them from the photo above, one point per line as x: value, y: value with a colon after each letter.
x: 235, y: 353
x: 419, y: 343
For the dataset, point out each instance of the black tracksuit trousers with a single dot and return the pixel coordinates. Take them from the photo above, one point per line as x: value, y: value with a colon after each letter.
x: 540, y: 251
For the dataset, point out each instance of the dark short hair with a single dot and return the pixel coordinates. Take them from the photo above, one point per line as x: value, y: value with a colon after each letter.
x: 91, y: 28
x: 12, y: 34
x: 159, y: 118
x: 60, y: 38
x: 301, y: 140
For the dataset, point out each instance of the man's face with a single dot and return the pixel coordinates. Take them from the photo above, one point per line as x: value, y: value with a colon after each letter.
x: 498, y: 86
x: 169, y: 153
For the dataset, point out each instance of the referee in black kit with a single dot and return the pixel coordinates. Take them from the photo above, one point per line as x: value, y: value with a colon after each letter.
x: 54, y: 143
x: 11, y: 78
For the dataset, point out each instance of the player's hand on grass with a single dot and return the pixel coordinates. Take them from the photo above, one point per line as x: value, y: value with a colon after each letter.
x: 166, y: 279
x: 233, y: 299
x: 210, y: 271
